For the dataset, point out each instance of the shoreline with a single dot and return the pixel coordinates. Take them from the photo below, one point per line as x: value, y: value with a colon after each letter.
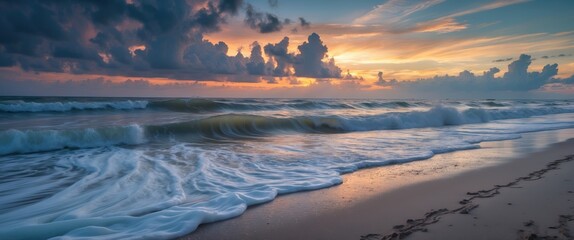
x: 365, y: 204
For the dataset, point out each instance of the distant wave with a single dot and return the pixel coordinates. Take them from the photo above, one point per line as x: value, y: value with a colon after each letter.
x: 493, y: 104
x: 198, y: 105
x: 201, y: 105
x: 233, y: 126
x: 209, y: 105
x: 22, y: 106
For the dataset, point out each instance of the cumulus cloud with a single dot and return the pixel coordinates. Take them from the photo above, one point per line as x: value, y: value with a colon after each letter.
x: 256, y: 64
x: 139, y: 38
x: 96, y: 36
x: 310, y: 62
x: 516, y: 79
x: 280, y: 57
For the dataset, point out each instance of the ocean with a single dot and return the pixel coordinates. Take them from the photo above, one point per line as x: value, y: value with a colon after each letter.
x: 132, y: 168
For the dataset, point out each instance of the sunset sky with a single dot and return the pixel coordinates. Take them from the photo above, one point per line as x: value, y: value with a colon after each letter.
x: 296, y: 48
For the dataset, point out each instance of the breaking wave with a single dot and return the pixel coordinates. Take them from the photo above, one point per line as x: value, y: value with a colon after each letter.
x: 232, y: 126
x: 18, y: 141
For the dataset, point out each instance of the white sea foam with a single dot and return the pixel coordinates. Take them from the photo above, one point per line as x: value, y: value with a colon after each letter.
x: 130, y: 194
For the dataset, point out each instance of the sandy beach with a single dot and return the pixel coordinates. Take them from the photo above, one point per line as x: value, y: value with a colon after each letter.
x: 504, y: 190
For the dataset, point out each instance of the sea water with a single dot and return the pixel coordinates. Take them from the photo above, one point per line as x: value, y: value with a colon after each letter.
x: 122, y: 168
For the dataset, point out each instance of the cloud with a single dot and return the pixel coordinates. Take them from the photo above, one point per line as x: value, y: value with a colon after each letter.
x: 310, y: 62
x: 139, y: 38
x: 73, y: 35
x: 519, y: 68
x: 393, y: 16
x: 304, y: 23
x: 517, y: 82
x: 503, y: 60
x: 489, y: 6
x: 280, y: 57
x: 556, y: 56
x: 256, y: 64
x: 516, y: 79
x: 441, y: 25
x: 569, y: 80
x: 349, y: 76
x: 395, y: 11
x: 213, y: 57
x: 382, y: 82
x: 263, y: 22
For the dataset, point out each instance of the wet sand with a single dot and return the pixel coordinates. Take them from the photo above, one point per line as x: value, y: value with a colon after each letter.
x: 539, y: 205
x: 451, y: 196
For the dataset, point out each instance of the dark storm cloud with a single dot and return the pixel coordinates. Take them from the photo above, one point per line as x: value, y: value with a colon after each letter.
x: 517, y: 78
x: 52, y: 35
x: 143, y: 38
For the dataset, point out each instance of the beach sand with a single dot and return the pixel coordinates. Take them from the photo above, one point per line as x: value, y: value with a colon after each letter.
x: 504, y: 190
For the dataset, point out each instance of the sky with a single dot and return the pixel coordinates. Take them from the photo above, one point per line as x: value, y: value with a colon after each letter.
x: 288, y: 49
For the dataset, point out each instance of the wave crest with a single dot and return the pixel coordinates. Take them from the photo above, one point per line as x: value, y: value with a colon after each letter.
x: 16, y: 141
